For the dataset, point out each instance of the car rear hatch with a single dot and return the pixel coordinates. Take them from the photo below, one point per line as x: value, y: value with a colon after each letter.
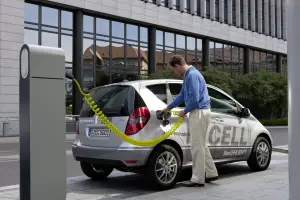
x: 122, y: 105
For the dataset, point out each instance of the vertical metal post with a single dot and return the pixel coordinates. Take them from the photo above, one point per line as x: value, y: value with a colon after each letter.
x: 293, y: 15
x: 246, y: 60
x: 205, y: 53
x: 77, y: 60
x: 152, y: 49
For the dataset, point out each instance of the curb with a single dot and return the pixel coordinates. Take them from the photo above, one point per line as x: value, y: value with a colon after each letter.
x: 275, y: 127
x: 280, y: 150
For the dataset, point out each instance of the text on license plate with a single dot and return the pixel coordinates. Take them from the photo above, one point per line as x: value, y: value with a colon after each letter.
x: 99, y: 132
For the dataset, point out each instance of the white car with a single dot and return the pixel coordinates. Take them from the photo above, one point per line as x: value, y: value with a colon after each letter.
x: 234, y: 134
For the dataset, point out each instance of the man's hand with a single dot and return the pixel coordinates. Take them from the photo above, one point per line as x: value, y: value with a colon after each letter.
x: 165, y: 109
x: 181, y: 113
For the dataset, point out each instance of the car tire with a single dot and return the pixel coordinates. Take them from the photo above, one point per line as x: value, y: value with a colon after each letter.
x: 95, y: 172
x: 155, y: 167
x: 260, y: 157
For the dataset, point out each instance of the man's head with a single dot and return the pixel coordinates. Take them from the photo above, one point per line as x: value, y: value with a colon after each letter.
x: 178, y: 65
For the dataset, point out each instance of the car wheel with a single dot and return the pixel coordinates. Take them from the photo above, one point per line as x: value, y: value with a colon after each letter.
x: 260, y: 157
x: 95, y: 172
x: 164, y: 167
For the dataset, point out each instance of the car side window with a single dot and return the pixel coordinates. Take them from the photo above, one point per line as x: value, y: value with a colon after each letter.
x: 160, y: 90
x: 175, y: 90
x: 221, y: 103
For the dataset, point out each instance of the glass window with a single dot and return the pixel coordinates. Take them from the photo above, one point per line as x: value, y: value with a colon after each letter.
x: 117, y: 29
x: 175, y: 89
x: 88, y: 24
x: 66, y: 19
x: 226, y: 11
x: 88, y: 79
x: 212, y: 54
x: 191, y: 49
x: 49, y: 39
x: 67, y: 46
x: 144, y: 34
x: 169, y: 39
x: 219, y: 56
x: 132, y: 32
x: 31, y: 13
x: 159, y: 37
x: 31, y: 37
x: 180, y: 41
x: 160, y: 91
x: 49, y: 16
x: 221, y: 103
x: 102, y: 26
x: 88, y: 52
x: 118, y: 68
x: 199, y: 62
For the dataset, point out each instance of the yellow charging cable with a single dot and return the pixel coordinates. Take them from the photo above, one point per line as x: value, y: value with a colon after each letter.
x: 88, y: 99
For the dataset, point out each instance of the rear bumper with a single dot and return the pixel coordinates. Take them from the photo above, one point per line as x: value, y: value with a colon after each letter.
x: 115, y: 157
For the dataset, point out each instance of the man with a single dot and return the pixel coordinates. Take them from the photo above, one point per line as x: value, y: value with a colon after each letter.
x: 197, y: 102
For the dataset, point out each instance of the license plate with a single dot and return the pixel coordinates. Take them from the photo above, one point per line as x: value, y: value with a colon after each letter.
x: 99, y: 132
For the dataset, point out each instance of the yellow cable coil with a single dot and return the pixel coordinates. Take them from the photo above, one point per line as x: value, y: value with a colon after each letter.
x: 88, y: 99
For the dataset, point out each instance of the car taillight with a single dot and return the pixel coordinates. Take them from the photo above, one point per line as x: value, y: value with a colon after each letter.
x: 137, y: 120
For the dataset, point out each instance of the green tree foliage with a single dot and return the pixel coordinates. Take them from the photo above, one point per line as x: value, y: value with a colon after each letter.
x: 264, y: 93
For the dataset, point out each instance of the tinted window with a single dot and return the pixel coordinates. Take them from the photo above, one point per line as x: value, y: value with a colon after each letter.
x: 175, y: 89
x: 114, y: 101
x: 221, y: 103
x: 160, y: 91
x: 218, y: 95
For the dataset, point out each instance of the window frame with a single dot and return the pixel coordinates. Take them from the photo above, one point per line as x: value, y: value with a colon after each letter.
x: 157, y: 84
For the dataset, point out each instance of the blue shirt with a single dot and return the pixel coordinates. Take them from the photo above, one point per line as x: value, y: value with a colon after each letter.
x: 194, y: 92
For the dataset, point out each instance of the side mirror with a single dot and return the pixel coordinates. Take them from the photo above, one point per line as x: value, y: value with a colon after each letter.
x: 245, y: 112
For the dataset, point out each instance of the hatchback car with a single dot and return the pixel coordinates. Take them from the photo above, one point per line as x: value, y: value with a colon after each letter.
x: 234, y: 134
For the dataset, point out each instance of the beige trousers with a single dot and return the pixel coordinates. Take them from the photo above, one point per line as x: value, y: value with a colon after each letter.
x: 202, y: 159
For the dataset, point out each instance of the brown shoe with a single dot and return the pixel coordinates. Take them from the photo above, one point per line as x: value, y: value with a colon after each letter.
x: 207, y: 180
x: 192, y: 184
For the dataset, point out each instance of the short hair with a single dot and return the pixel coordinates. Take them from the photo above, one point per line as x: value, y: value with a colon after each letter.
x: 177, y: 60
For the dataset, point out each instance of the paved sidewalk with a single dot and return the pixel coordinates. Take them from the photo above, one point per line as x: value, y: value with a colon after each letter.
x: 15, y: 139
x: 236, y: 183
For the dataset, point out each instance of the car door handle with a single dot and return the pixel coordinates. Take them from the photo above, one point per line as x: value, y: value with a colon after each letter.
x: 218, y: 119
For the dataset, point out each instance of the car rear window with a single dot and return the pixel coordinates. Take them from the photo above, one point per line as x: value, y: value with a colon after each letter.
x: 115, y: 100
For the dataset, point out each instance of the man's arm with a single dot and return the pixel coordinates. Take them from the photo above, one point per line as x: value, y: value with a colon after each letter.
x: 178, y: 100
x: 193, y: 93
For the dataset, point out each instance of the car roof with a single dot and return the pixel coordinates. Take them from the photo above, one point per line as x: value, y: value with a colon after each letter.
x: 153, y: 81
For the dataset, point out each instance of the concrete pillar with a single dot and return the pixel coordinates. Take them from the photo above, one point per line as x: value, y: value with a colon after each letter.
x: 253, y: 15
x: 266, y: 17
x: 11, y: 41
x: 212, y: 10
x: 245, y: 14
x: 193, y: 6
x: 278, y: 20
x: 170, y: 4
x: 259, y: 16
x: 202, y: 8
x: 221, y: 11
x: 182, y: 5
x: 294, y: 97
x: 284, y: 22
x: 273, y: 21
x: 237, y: 13
x: 229, y: 12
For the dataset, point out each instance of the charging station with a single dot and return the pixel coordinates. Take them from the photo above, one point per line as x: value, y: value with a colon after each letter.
x: 42, y: 123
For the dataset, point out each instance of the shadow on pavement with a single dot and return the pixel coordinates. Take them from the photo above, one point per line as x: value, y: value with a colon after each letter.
x: 126, y: 185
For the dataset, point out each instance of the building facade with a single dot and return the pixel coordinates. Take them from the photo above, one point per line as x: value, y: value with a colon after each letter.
x: 108, y: 41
